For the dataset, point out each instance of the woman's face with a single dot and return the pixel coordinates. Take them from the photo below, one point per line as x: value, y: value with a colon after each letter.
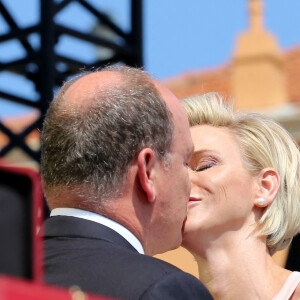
x: 222, y: 191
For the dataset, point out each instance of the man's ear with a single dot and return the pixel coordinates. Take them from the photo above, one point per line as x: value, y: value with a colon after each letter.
x: 146, y: 161
x: 268, y: 186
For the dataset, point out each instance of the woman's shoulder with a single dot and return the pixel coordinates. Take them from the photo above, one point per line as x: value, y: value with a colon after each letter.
x: 296, y: 295
x: 294, y: 283
x: 290, y: 289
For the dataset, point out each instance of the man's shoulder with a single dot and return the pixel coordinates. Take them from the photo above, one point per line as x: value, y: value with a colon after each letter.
x: 138, y: 276
x: 167, y: 281
x: 78, y: 258
x: 158, y: 264
x: 176, y: 285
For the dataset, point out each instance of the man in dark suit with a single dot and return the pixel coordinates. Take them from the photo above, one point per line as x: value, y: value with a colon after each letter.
x: 115, y: 148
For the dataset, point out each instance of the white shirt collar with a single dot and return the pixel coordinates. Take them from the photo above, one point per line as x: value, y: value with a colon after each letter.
x: 84, y: 214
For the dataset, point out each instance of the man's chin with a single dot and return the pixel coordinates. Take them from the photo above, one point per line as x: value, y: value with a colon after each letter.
x: 183, y: 226
x: 176, y: 244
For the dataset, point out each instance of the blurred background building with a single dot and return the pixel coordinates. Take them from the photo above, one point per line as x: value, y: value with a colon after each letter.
x: 260, y: 76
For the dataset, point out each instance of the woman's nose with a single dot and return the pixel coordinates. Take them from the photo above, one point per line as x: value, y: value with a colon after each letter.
x: 192, y: 177
x: 191, y: 174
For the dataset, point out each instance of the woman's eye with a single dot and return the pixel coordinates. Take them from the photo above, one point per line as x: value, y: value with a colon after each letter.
x: 203, y: 162
x: 204, y: 167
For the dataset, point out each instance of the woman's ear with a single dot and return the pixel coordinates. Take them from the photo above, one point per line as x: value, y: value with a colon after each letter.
x: 268, y: 186
x: 146, y: 161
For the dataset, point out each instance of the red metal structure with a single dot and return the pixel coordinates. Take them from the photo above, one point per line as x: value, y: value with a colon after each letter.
x: 12, y: 289
x: 21, y: 218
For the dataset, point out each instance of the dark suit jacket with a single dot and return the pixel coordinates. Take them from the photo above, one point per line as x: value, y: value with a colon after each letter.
x: 99, y: 260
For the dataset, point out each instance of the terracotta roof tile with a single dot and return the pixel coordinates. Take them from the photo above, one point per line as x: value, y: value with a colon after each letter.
x: 218, y: 79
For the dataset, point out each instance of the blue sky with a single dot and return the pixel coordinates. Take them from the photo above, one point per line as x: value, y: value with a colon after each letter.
x: 179, y: 35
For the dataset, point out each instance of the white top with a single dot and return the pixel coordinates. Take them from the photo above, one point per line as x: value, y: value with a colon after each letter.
x: 84, y: 214
x: 289, y: 287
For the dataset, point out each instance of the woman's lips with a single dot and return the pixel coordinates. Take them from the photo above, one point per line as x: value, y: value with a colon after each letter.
x: 194, y: 198
x: 193, y: 201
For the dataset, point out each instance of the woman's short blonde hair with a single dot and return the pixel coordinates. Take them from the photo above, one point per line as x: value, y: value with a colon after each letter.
x: 264, y: 143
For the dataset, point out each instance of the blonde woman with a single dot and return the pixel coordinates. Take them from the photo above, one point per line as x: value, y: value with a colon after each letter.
x: 244, y: 203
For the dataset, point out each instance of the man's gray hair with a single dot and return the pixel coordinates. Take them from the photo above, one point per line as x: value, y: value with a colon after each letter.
x: 89, y: 148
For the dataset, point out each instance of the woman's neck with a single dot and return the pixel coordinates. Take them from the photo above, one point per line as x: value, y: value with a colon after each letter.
x: 237, y: 267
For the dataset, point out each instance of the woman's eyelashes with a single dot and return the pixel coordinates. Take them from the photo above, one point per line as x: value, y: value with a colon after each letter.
x: 203, y: 167
x: 203, y: 164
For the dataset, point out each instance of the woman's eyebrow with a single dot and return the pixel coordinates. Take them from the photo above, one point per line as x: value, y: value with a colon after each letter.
x: 200, y: 153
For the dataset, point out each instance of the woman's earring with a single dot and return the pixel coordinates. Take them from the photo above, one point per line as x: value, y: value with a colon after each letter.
x: 260, y: 202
